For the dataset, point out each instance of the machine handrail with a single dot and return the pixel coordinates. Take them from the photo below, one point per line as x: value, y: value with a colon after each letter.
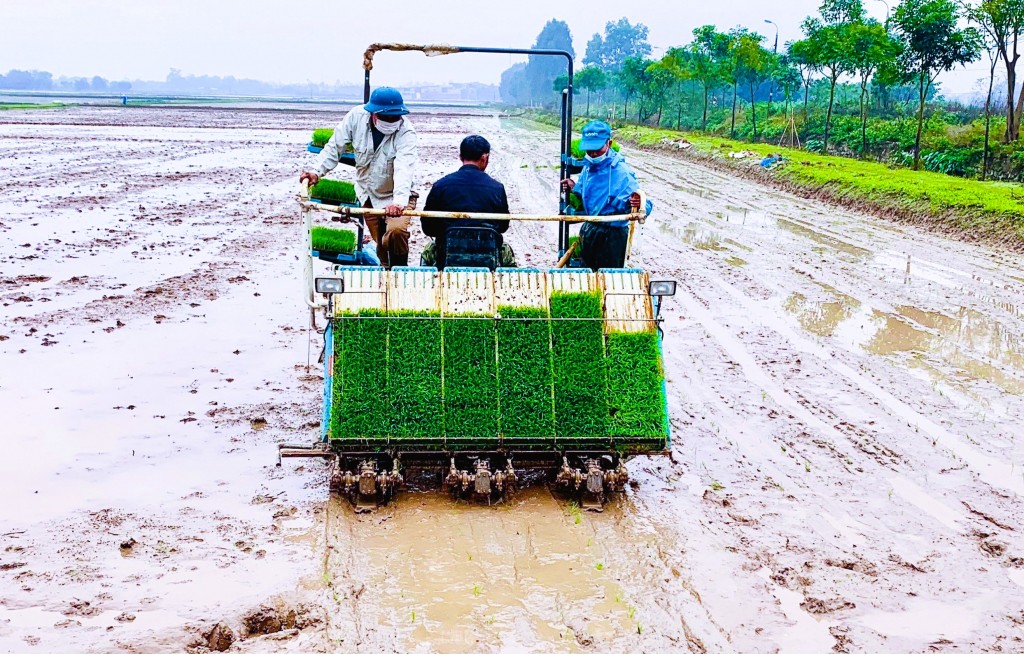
x: 639, y: 216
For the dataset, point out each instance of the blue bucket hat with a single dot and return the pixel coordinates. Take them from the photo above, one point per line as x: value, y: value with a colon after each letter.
x: 386, y: 101
x: 595, y: 134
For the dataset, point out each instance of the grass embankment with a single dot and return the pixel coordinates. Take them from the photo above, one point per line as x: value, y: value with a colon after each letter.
x: 5, y: 106
x: 972, y: 209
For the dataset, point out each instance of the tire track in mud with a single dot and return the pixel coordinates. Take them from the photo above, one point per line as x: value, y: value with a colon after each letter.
x: 842, y: 395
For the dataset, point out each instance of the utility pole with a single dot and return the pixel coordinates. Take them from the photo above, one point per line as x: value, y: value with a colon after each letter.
x: 886, y: 12
x: 771, y: 82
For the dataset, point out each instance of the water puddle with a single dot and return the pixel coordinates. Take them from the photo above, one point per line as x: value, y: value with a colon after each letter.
x: 822, y: 239
x: 976, y: 346
x: 516, y: 577
x: 696, y: 234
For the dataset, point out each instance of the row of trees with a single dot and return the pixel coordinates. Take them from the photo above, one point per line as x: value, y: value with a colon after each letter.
x: 34, y: 80
x: 841, y: 48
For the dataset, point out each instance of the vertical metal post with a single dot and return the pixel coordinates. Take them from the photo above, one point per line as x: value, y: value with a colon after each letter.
x: 565, y: 147
x: 366, y: 87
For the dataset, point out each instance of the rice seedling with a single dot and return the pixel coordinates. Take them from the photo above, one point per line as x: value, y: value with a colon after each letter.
x: 360, y: 376
x: 413, y: 399
x: 524, y: 373
x: 636, y: 402
x: 333, y: 191
x: 580, y: 373
x: 470, y: 377
x: 329, y: 239
x: 321, y: 137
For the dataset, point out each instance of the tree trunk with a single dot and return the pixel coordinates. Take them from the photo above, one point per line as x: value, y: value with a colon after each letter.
x: 863, y: 115
x: 704, y: 121
x: 988, y: 116
x: 807, y: 91
x: 732, y: 128
x: 828, y: 116
x: 753, y: 110
x: 588, y: 103
x: 923, y: 91
x: 1012, y: 114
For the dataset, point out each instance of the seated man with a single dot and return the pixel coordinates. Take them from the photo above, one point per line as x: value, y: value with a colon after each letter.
x: 468, y: 190
x: 607, y: 187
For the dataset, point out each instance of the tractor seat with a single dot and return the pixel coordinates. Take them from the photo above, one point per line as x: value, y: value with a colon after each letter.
x: 471, y: 247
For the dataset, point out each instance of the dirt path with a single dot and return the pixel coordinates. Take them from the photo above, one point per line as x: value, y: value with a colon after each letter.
x: 845, y: 395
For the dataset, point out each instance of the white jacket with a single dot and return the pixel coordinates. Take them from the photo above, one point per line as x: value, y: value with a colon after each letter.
x: 385, y: 175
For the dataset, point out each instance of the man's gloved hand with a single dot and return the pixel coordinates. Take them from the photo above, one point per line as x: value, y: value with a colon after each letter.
x: 393, y: 211
x: 634, y: 202
x: 568, y: 183
x: 312, y: 178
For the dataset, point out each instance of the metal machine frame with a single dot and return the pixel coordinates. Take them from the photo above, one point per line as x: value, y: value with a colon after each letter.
x: 369, y: 473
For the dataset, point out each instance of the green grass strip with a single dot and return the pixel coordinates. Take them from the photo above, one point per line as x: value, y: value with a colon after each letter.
x: 329, y: 239
x: 524, y: 373
x: 635, y: 375
x: 580, y: 374
x: 360, y: 377
x: 470, y: 378
x: 577, y: 152
x: 414, y: 375
x: 333, y: 191
x: 990, y: 208
x: 321, y: 137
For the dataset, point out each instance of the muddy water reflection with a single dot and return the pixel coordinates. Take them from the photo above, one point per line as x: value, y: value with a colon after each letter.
x: 527, y: 576
x: 958, y: 347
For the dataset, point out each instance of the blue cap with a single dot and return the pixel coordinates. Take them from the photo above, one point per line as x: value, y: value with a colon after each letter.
x: 595, y: 134
x: 386, y: 101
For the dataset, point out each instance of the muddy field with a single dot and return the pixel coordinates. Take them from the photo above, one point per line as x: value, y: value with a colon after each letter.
x: 846, y: 397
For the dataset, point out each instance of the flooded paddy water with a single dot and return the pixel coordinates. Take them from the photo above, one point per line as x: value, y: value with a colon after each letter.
x: 846, y: 398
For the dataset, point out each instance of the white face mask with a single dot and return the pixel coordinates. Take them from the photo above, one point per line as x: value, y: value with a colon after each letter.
x: 387, y: 128
x: 597, y: 160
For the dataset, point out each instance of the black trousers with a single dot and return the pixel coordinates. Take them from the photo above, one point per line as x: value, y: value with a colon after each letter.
x: 603, y: 245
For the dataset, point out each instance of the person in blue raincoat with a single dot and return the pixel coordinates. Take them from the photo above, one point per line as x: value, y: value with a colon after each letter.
x: 607, y: 186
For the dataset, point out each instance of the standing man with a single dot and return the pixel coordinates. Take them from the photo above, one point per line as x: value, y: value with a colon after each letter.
x: 469, y: 190
x: 607, y: 186
x: 385, y: 152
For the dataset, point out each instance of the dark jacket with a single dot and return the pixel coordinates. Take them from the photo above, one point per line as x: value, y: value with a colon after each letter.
x: 470, y: 190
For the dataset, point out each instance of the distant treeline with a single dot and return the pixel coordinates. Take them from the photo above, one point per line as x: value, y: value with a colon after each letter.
x: 178, y: 84
x: 853, y: 85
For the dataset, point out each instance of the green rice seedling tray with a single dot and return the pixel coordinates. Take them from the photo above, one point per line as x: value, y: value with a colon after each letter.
x: 321, y: 136
x: 524, y: 373
x: 414, y: 391
x: 636, y: 398
x: 580, y: 373
x: 332, y: 240
x: 360, y: 375
x: 332, y: 191
x: 470, y: 377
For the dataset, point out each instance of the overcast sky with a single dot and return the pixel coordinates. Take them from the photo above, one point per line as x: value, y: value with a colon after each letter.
x: 270, y: 41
